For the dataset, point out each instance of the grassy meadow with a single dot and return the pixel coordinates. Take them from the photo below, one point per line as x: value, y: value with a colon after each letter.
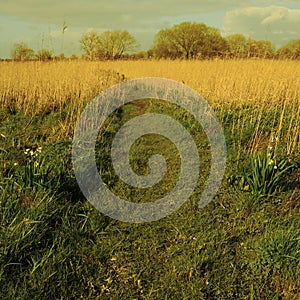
x: 245, y: 244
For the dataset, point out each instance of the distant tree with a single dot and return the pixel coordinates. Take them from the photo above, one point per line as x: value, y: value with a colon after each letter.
x: 44, y: 55
x: 61, y: 56
x: 21, y: 52
x: 116, y: 43
x: 141, y: 55
x: 216, y: 45
x: 108, y: 45
x: 90, y: 44
x: 150, y: 53
x: 189, y: 40
x: 259, y: 49
x: 165, y: 46
x: 289, y: 51
x: 237, y: 45
x: 73, y: 57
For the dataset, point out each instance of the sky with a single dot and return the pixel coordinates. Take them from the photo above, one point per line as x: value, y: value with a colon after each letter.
x: 39, y: 23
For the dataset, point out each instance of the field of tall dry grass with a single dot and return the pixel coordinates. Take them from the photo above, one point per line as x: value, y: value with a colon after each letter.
x: 230, y: 81
x: 252, y: 89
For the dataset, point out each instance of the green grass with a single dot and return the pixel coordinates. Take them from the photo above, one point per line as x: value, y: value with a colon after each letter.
x: 55, y: 245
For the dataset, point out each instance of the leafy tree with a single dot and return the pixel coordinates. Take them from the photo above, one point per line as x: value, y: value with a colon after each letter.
x: 108, y: 45
x: 141, y: 55
x: 21, y: 52
x: 90, y: 44
x: 289, y: 51
x: 44, y: 55
x: 215, y: 44
x: 165, y: 46
x: 73, y: 57
x: 189, y: 40
x: 61, y: 56
x: 115, y: 43
x: 259, y: 49
x: 237, y: 45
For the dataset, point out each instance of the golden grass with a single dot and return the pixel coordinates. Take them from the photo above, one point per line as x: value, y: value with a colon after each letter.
x: 239, y: 81
x: 264, y: 85
x: 35, y: 86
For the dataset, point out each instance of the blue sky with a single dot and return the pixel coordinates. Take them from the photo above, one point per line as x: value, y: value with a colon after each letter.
x: 39, y: 23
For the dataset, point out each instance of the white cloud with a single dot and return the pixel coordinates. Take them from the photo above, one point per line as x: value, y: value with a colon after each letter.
x: 280, y: 24
x: 115, y: 13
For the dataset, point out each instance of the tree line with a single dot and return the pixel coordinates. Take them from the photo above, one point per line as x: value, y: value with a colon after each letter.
x: 186, y: 40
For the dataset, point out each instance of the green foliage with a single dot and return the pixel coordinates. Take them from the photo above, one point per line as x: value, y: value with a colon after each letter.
x: 189, y: 40
x: 33, y: 173
x: 55, y: 245
x: 237, y: 45
x: 280, y: 252
x: 89, y: 43
x: 44, y: 55
x: 185, y: 40
x: 267, y: 174
x: 39, y: 172
x: 107, y: 45
x: 21, y: 52
x: 259, y: 49
x: 289, y: 51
